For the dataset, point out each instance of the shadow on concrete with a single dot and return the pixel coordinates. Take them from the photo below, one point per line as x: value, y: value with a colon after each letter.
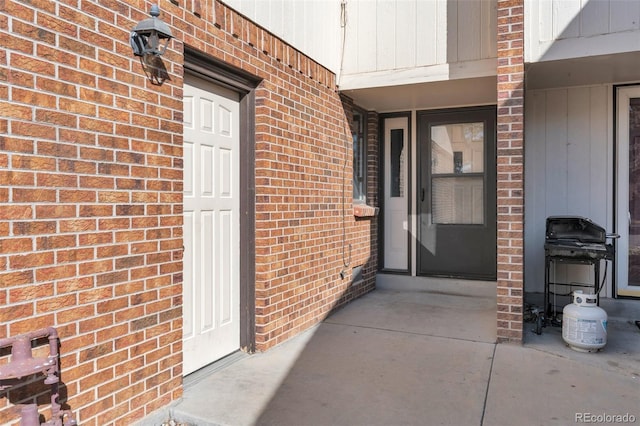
x: 419, y: 352
x: 411, y: 350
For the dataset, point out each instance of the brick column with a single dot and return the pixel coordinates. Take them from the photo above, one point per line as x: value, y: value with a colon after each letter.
x: 510, y: 169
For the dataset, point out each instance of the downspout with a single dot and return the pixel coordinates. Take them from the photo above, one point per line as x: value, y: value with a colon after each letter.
x: 343, y: 37
x: 346, y: 259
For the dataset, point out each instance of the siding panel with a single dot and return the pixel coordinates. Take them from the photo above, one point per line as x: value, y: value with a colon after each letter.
x: 624, y: 15
x: 571, y: 28
x: 595, y: 18
x: 488, y: 19
x: 565, y: 24
x: 410, y: 33
x: 451, y: 30
x: 386, y: 32
x: 312, y: 27
x: 535, y: 190
x: 381, y: 35
x: 545, y: 20
x: 578, y: 151
x: 405, y: 52
x: 469, y: 31
x: 288, y: 25
x: 567, y: 170
x: 600, y: 160
x: 442, y: 33
x: 556, y: 159
x: 365, y: 46
x: 426, y: 33
x: 301, y: 22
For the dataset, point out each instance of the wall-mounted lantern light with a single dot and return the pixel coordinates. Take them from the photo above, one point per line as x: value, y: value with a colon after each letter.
x: 151, y: 36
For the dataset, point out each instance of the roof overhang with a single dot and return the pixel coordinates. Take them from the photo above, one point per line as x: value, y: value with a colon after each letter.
x: 427, y: 87
x: 617, y: 68
x: 429, y: 95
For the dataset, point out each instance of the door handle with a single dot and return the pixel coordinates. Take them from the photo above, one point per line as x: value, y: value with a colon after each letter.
x: 422, y: 196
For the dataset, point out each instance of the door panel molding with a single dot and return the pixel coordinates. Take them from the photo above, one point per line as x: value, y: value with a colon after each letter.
x: 211, y: 285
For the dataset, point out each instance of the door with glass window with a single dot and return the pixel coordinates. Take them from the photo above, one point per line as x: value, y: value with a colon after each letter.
x: 457, y: 193
x: 628, y: 192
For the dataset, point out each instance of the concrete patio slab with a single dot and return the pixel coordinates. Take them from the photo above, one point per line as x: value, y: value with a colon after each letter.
x: 239, y: 393
x: 416, y: 352
x: 457, y: 310
x: 531, y: 387
x: 620, y: 355
x: 362, y: 376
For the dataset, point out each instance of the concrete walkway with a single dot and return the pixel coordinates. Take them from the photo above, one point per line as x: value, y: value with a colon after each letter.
x: 422, y: 355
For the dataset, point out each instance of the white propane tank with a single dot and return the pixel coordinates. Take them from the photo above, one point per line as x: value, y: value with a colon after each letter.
x: 584, y: 324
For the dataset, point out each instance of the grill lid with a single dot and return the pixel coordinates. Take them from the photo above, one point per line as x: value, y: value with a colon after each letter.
x: 574, y: 228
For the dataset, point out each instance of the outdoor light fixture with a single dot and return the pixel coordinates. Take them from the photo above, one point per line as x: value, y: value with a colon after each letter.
x: 149, y: 41
x: 151, y: 36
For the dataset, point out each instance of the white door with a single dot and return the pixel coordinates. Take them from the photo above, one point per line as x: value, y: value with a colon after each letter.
x: 396, y: 181
x: 211, y: 289
x: 628, y: 192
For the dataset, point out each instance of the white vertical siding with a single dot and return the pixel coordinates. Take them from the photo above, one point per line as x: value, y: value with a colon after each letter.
x: 595, y: 18
x: 624, y: 15
x: 406, y: 17
x: 384, y: 35
x: 565, y: 19
x: 559, y: 19
x: 418, y: 33
x: 311, y: 26
x: 450, y: 23
x: 559, y: 29
x: 427, y: 30
x: 568, y: 169
x: 364, y: 35
x: 441, y: 34
x: 470, y: 31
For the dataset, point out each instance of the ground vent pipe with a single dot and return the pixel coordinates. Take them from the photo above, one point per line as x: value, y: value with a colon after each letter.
x: 22, y: 365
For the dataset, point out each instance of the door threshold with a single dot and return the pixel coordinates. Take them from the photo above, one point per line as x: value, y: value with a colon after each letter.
x: 206, y: 371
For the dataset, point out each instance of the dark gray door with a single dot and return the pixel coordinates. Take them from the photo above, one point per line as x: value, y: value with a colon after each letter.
x: 457, y: 193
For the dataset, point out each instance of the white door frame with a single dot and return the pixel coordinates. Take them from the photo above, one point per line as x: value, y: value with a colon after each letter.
x: 624, y: 94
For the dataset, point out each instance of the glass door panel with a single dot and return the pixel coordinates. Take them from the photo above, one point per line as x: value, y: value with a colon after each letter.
x: 457, y: 173
x: 634, y: 192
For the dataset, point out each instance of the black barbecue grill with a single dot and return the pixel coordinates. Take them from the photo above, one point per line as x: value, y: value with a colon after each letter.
x: 575, y: 240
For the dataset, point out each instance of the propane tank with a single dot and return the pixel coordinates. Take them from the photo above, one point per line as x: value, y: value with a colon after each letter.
x: 584, y: 324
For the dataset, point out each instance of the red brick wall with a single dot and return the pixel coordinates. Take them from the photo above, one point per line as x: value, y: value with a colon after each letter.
x: 510, y: 169
x: 91, y: 193
x: 363, y: 234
